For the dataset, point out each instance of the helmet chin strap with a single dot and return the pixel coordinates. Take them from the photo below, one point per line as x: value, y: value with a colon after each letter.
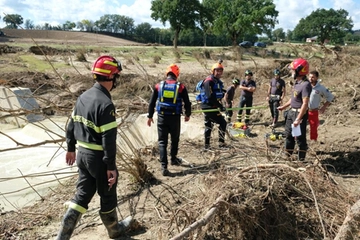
x: 114, y: 83
x: 296, y: 74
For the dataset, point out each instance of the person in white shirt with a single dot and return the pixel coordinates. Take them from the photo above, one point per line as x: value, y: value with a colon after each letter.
x: 318, y: 92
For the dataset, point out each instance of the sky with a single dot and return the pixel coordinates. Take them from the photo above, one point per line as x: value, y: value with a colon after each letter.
x: 57, y: 12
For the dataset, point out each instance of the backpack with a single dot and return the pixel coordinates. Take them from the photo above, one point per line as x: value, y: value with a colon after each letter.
x: 198, y: 88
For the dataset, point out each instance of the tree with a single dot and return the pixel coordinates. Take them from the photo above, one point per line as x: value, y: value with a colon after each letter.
x: 181, y: 14
x: 240, y: 17
x: 86, y: 25
x: 326, y: 24
x: 103, y: 24
x: 29, y: 24
x: 279, y: 34
x: 125, y: 24
x: 68, y: 25
x: 13, y: 20
x: 144, y: 33
x: 116, y: 23
x: 350, y: 37
x: 289, y: 35
x: 205, y: 23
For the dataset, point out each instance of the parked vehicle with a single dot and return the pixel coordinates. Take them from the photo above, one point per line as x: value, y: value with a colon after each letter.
x: 260, y: 44
x: 245, y: 44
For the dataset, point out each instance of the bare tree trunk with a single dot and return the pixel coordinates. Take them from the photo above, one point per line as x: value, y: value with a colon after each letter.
x: 199, y: 223
x: 176, y: 37
x: 204, y: 39
x: 350, y: 229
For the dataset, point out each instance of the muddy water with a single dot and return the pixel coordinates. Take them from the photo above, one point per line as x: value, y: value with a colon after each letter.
x: 41, y: 167
x: 28, y: 174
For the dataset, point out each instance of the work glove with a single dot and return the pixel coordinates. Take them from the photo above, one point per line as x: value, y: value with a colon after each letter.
x: 222, y: 109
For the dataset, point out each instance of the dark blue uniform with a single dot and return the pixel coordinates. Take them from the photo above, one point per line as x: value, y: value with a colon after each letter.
x: 169, y: 96
x: 211, y: 96
x: 276, y: 92
x: 93, y: 127
x: 246, y: 99
x: 301, y: 90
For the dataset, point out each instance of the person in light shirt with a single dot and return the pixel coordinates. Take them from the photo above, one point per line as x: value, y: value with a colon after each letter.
x: 318, y: 92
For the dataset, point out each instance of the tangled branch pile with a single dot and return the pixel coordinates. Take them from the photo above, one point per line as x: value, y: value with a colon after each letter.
x: 272, y: 201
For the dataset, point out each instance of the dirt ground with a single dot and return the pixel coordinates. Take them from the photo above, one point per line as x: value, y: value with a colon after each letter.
x: 258, y: 193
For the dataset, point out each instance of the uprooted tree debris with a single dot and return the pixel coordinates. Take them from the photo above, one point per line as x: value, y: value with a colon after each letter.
x: 261, y: 199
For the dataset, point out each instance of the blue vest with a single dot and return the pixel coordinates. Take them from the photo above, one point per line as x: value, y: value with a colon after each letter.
x: 217, y: 90
x: 169, y: 102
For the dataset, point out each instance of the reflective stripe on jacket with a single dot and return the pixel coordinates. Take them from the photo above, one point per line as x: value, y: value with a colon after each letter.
x: 169, y: 100
x: 93, y: 124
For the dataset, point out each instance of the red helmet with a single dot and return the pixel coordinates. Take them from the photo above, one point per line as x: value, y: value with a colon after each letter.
x: 106, y: 66
x: 301, y: 66
x: 173, y: 68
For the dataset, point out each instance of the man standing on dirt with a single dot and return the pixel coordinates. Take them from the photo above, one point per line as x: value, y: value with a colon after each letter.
x: 317, y: 92
x: 211, y: 94
x: 229, y: 98
x: 248, y: 87
x: 276, y: 93
x: 298, y: 113
x: 169, y: 96
x: 93, y: 128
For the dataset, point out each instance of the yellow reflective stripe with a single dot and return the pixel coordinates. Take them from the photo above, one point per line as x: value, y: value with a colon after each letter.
x: 86, y: 122
x: 77, y: 207
x: 102, y: 70
x: 161, y: 91
x: 108, y: 126
x: 108, y: 211
x: 92, y: 125
x: 91, y: 146
x: 110, y: 63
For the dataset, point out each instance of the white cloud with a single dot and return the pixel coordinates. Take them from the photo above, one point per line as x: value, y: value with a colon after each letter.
x: 290, y: 12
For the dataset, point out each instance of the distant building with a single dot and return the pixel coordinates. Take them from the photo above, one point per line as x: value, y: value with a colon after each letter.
x: 315, y: 39
x: 312, y: 39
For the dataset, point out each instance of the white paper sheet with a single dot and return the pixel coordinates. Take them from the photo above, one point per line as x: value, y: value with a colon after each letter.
x: 295, y: 131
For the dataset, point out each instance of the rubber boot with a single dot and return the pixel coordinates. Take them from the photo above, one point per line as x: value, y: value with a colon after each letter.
x: 114, y: 228
x: 68, y: 224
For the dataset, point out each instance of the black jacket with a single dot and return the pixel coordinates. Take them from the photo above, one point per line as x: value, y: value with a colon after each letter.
x: 93, y: 124
x: 182, y: 93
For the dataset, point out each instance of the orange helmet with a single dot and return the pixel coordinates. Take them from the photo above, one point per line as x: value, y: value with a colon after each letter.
x: 301, y: 66
x: 106, y: 66
x: 173, y: 68
x: 217, y: 66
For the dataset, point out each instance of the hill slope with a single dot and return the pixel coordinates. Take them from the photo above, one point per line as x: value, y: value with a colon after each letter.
x: 22, y: 35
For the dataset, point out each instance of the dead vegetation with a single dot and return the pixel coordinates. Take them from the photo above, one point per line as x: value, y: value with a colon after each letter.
x: 249, y: 192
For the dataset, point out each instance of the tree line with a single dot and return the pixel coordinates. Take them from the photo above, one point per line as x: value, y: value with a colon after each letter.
x: 211, y: 23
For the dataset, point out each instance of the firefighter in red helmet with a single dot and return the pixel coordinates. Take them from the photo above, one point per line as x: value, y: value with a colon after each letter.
x: 93, y: 128
x: 297, y: 116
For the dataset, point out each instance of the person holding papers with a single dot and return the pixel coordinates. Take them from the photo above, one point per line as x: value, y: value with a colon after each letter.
x: 298, y: 114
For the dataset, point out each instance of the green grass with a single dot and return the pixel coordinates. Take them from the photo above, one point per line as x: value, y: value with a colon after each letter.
x: 42, y: 65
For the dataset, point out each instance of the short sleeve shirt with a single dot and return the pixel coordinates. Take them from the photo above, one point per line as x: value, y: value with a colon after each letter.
x: 319, y: 91
x: 230, y: 92
x: 277, y: 86
x: 245, y: 83
x: 301, y: 90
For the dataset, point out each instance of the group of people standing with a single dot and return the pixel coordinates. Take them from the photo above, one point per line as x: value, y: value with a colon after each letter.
x: 93, y: 127
x: 169, y: 96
